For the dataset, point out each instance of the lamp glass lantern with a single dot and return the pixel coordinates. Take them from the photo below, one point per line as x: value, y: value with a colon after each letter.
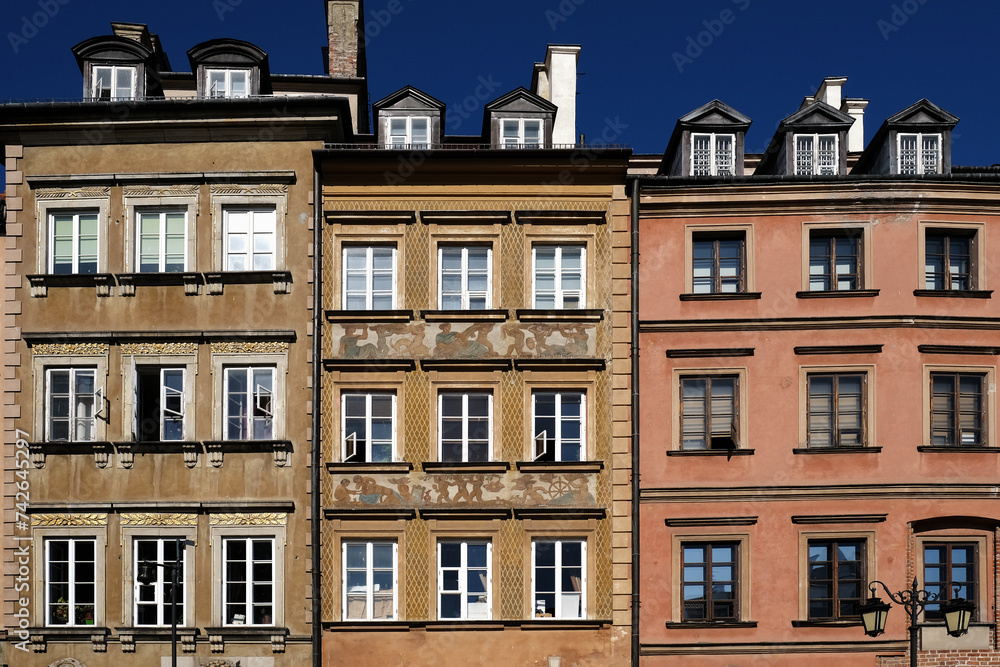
x: 957, y: 615
x: 873, y: 616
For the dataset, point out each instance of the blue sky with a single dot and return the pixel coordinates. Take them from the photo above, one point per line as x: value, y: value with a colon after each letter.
x: 647, y: 62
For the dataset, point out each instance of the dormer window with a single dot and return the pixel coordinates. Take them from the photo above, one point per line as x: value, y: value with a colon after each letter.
x: 408, y: 132
x: 523, y: 132
x: 113, y: 82
x: 919, y: 153
x: 712, y: 154
x: 816, y: 155
x: 227, y: 83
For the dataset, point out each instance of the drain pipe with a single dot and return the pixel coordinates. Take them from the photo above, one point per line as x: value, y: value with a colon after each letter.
x: 316, y: 452
x: 636, y: 190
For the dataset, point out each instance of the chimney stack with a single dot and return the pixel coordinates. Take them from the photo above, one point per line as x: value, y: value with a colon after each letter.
x: 831, y: 91
x: 555, y: 81
x: 345, y: 20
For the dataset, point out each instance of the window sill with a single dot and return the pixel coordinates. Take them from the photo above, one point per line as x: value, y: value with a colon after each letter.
x: 458, y: 625
x: 280, y: 449
x: 341, y: 467
x: 955, y: 294
x: 100, y: 449
x: 40, y: 283
x: 460, y: 467
x: 567, y: 315
x: 722, y: 296
x: 827, y: 624
x: 97, y: 634
x: 257, y: 634
x: 129, y: 635
x: 710, y: 452
x: 464, y: 315
x: 369, y: 316
x: 127, y: 282
x: 837, y: 294
x: 560, y: 466
x: 374, y: 365
x: 215, y: 281
x: 836, y: 450
x: 957, y: 449
x: 703, y: 625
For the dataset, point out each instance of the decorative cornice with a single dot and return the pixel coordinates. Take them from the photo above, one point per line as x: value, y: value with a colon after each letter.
x: 156, y: 519
x: 93, y: 192
x: 838, y: 349
x: 177, y: 190
x: 707, y: 352
x: 958, y: 349
x: 248, y: 347
x: 838, y: 518
x: 47, y: 520
x: 71, y: 349
x: 151, y: 349
x: 239, y: 190
x: 687, y: 522
x: 249, y: 519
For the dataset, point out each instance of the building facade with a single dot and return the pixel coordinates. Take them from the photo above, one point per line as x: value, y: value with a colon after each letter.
x: 817, y: 350
x: 475, y: 420
x: 158, y: 354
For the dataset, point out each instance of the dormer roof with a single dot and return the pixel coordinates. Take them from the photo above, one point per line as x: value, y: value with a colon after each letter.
x: 817, y: 117
x: 231, y: 53
x: 410, y: 99
x: 920, y: 117
x: 714, y: 117
x: 519, y: 102
x: 112, y: 49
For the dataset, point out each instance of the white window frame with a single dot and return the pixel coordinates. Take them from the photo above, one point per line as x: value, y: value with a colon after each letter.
x: 369, y: 272
x: 483, y: 613
x: 164, y: 580
x: 714, y: 153
x: 405, y: 140
x: 559, y: 275
x: 254, y: 213
x: 74, y: 421
x: 465, y: 421
x: 465, y: 293
x: 259, y: 398
x: 250, y: 583
x: 560, y: 612
x: 76, y: 239
x: 541, y: 439
x: 72, y: 566
x: 816, y: 164
x: 161, y: 238
x: 520, y: 141
x: 369, y: 587
x: 95, y: 91
x: 919, y: 165
x: 227, y: 91
x: 164, y: 392
x: 349, y: 440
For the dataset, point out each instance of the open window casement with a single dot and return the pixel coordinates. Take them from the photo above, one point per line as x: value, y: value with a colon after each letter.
x: 541, y: 446
x: 351, y: 447
x: 263, y: 400
x: 99, y: 406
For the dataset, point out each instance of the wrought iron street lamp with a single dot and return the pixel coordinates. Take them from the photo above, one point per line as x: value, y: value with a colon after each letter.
x: 146, y: 576
x: 957, y: 613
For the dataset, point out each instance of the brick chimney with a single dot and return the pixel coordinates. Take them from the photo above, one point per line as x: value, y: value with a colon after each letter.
x: 345, y: 20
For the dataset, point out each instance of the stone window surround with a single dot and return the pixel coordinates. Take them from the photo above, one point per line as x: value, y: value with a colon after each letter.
x: 222, y: 360
x: 46, y: 207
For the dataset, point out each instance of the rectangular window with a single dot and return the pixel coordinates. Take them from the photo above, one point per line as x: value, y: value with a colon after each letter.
x: 558, y: 277
x: 250, y: 239
x: 162, y: 239
x: 408, y: 133
x: 950, y: 571
x: 152, y: 601
x: 710, y: 412
x: 520, y: 132
x: 919, y: 153
x: 719, y: 262
x: 369, y: 427
x: 228, y: 83
x: 950, y: 259
x: 73, y: 239
x: 159, y: 404
x: 958, y: 409
x: 113, y: 83
x: 464, y: 280
x: 836, y: 405
x: 558, y: 578
x: 70, y: 581
x: 836, y: 579
x: 465, y: 424
x: 465, y: 580
x: 369, y: 278
x: 835, y: 261
x: 816, y: 155
x: 248, y: 581
x: 370, y: 581
x: 710, y: 581
x: 558, y: 419
x: 249, y: 399
x: 712, y: 154
x: 73, y: 401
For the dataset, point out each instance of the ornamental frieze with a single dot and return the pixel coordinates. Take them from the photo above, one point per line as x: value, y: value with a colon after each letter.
x: 153, y: 519
x: 248, y: 347
x: 75, y: 349
x: 47, y: 520
x: 249, y: 519
x: 72, y: 193
x: 443, y: 490
x: 158, y: 349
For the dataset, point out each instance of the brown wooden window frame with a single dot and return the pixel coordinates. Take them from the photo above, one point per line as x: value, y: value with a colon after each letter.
x: 955, y: 412
x: 971, y: 275
x: 713, y: 439
x: 709, y: 583
x: 716, y: 238
x: 946, y: 590
x: 836, y: 435
x: 835, y: 580
x: 831, y: 237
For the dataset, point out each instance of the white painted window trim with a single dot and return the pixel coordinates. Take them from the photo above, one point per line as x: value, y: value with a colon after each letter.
x: 920, y: 166
x: 164, y: 576
x: 251, y: 581
x: 560, y: 293
x: 714, y: 153
x: 227, y: 91
x: 815, y: 161
x: 254, y: 212
x: 463, y: 577
x: 345, y: 436
x: 466, y: 294
x: 369, y: 579
x: 75, y: 257
x: 408, y: 142
x: 557, y: 437
x: 465, y: 421
x: 95, y: 91
x: 161, y: 238
x: 256, y: 394
x: 369, y: 274
x: 99, y: 407
x: 559, y: 612
x: 72, y: 602
x: 521, y: 125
